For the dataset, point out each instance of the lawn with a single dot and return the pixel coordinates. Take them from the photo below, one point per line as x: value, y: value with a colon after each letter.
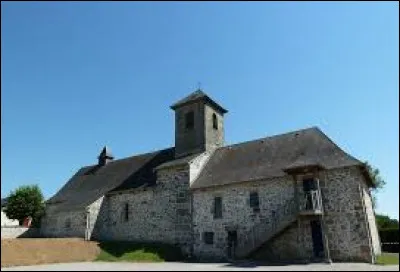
x: 137, y: 252
x: 388, y: 258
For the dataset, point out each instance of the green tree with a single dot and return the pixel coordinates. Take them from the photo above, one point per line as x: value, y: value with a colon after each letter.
x: 27, y: 200
x: 377, y: 181
x: 385, y: 222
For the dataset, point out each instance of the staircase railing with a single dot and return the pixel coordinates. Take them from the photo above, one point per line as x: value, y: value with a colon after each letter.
x: 261, y: 232
x: 311, y: 201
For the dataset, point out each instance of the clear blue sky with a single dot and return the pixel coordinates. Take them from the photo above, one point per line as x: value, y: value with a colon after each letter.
x: 78, y: 75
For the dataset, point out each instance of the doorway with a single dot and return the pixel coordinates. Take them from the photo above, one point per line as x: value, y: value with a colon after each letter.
x: 308, y: 186
x: 232, y: 242
x: 316, y: 233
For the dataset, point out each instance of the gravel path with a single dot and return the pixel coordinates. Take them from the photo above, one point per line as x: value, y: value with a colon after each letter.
x: 170, y: 266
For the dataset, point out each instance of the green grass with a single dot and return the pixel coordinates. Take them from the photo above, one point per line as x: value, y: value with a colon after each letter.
x: 137, y: 252
x: 388, y: 258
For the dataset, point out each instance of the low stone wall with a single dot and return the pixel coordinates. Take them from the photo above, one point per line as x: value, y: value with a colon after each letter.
x: 19, y: 232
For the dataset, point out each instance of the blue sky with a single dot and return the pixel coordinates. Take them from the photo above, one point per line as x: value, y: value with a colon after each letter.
x: 78, y: 75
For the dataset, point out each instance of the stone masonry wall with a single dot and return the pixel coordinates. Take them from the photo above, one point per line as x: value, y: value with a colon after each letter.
x: 189, y: 141
x: 236, y: 212
x: 213, y: 137
x: 63, y: 224
x: 295, y: 243
x: 157, y: 214
x: 345, y: 218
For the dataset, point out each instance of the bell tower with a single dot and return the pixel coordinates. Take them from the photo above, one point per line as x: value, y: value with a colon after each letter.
x: 199, y: 124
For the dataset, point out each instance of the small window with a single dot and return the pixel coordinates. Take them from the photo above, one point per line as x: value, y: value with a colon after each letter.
x: 218, y: 207
x: 215, y: 121
x: 189, y: 120
x: 68, y: 223
x: 208, y: 238
x: 254, y: 201
x: 126, y: 211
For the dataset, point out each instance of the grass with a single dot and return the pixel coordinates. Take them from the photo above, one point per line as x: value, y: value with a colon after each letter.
x: 388, y: 258
x: 137, y: 252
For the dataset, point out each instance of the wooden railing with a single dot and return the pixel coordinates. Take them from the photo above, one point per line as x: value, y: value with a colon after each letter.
x: 280, y: 218
x: 311, y: 202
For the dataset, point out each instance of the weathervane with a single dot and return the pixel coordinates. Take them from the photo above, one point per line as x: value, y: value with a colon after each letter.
x: 199, y: 85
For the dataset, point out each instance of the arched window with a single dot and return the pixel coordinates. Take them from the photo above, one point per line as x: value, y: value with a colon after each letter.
x: 215, y: 121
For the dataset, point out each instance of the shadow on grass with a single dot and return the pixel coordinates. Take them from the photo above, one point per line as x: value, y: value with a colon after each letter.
x: 132, y: 251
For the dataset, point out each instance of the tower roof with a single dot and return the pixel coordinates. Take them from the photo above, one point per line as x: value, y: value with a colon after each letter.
x: 106, y: 152
x: 195, y: 97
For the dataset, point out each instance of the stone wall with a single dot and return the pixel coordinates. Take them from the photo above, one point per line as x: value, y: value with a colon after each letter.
x: 197, y: 164
x: 156, y: 214
x: 63, y: 223
x: 19, y: 232
x: 294, y: 243
x: 213, y: 137
x: 189, y: 141
x: 346, y: 225
x: 236, y: 212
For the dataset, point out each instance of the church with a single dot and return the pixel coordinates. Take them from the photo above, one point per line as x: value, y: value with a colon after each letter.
x: 293, y: 196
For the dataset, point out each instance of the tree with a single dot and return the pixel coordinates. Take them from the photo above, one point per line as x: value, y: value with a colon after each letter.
x: 27, y: 200
x: 377, y: 181
x: 385, y: 222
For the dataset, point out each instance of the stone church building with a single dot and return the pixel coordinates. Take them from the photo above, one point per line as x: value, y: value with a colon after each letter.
x: 294, y: 196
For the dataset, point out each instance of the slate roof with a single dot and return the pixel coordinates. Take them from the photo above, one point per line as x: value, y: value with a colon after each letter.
x: 259, y: 159
x: 196, y: 96
x: 268, y: 157
x: 92, y: 182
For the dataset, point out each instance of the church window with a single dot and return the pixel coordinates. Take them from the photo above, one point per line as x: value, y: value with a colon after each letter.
x: 218, y: 207
x: 254, y: 201
x: 215, y: 121
x: 189, y: 120
x: 208, y: 237
x: 126, y: 212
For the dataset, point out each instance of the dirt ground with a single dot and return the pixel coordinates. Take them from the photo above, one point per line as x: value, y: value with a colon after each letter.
x: 30, y: 251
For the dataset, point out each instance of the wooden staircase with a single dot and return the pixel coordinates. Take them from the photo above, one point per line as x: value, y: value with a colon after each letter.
x: 281, y: 218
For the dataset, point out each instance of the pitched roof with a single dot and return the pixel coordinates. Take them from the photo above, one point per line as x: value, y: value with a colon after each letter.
x: 197, y: 96
x: 259, y: 159
x: 92, y: 182
x: 268, y: 157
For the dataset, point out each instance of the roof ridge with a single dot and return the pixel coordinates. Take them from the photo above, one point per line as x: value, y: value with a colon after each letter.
x: 133, y: 156
x: 269, y: 137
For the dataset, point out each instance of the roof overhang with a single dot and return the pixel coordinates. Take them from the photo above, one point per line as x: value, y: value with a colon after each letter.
x: 367, y: 176
x: 302, y: 169
x: 206, y: 99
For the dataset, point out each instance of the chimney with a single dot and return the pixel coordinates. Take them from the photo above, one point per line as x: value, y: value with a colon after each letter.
x: 105, y: 156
